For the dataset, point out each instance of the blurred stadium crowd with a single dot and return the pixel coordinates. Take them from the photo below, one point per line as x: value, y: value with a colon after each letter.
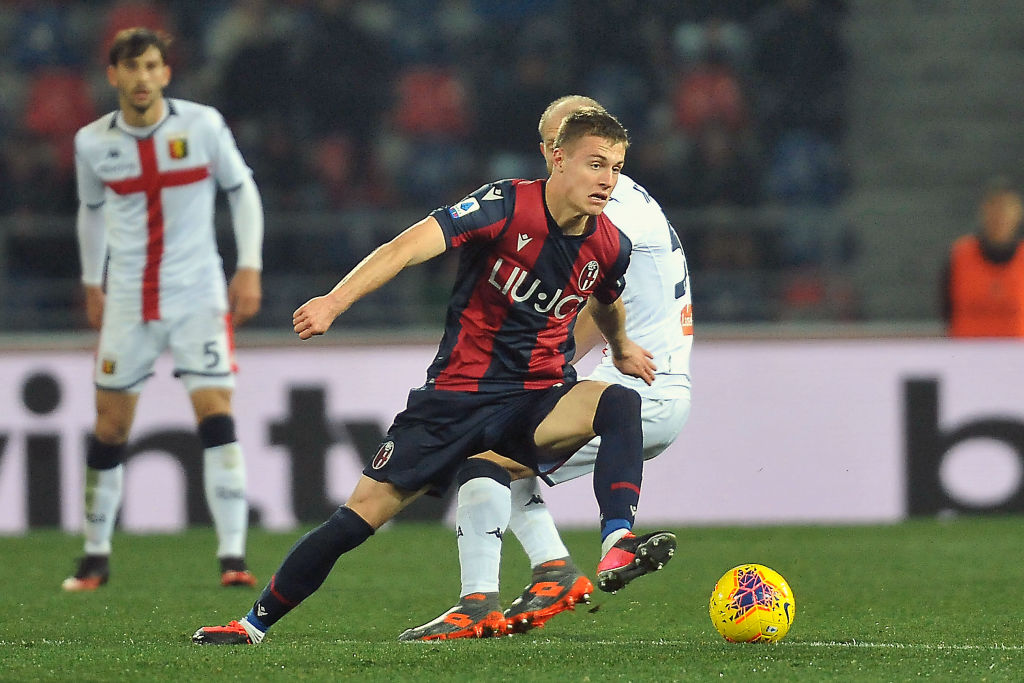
x: 364, y: 108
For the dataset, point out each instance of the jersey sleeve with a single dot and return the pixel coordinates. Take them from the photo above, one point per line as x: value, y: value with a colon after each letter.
x: 481, y: 216
x: 229, y: 168
x: 610, y: 287
x: 90, y: 188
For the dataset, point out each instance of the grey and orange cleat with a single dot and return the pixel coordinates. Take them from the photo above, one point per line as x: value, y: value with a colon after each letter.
x: 557, y: 586
x: 632, y: 557
x: 478, y: 615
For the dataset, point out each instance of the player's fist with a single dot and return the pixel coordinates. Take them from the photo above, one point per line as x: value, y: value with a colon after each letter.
x: 314, y: 317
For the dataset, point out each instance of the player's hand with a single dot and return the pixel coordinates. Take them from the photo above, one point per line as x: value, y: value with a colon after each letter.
x: 94, y: 302
x: 635, y: 361
x: 244, y: 295
x: 314, y: 317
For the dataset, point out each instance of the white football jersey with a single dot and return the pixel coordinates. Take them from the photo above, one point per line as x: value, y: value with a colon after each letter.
x: 158, y: 186
x: 659, y: 310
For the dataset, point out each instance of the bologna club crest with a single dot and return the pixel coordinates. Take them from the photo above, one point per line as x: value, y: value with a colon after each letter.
x: 178, y: 147
x: 383, y: 455
x: 588, y: 276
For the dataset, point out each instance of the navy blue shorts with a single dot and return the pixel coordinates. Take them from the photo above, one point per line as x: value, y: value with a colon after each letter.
x: 439, y: 429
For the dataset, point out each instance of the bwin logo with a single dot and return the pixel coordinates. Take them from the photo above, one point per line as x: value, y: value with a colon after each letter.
x: 543, y: 302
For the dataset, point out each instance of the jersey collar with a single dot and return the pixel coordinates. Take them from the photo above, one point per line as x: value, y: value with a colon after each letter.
x: 125, y: 128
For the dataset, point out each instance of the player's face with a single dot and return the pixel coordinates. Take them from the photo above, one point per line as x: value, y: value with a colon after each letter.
x: 140, y: 81
x: 590, y: 168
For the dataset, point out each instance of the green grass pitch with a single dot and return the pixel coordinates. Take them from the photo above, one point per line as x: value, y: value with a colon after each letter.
x: 923, y: 599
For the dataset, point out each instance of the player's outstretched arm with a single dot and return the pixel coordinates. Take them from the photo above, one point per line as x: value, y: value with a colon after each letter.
x: 419, y: 243
x: 629, y: 357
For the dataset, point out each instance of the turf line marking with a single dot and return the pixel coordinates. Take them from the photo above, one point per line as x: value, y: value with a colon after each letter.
x: 826, y: 644
x: 902, y: 646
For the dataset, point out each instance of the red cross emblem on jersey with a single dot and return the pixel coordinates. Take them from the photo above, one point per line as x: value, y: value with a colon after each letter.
x: 152, y: 181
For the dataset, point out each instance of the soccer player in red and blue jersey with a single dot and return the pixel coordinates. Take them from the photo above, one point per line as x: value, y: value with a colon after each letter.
x: 658, y: 316
x: 533, y: 253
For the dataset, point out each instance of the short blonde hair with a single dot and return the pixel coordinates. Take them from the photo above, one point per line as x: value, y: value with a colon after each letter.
x: 591, y: 121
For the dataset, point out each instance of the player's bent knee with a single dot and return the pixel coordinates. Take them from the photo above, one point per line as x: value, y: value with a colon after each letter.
x: 617, y: 403
x: 377, y: 502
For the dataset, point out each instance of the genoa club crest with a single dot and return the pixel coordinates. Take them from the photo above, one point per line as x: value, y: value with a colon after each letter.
x: 383, y: 455
x: 178, y: 147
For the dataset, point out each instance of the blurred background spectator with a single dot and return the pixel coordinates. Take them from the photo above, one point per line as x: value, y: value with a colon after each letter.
x: 983, y: 284
x: 359, y: 116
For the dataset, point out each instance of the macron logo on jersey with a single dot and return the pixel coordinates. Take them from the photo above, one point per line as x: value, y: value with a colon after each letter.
x: 463, y: 208
x: 493, y: 193
x: 522, y: 240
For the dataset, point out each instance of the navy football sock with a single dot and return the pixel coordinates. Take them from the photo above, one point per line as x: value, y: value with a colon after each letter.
x: 619, y: 466
x: 308, y: 563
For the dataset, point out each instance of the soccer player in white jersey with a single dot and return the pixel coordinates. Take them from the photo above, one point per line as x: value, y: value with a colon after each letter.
x: 659, y: 316
x: 148, y: 174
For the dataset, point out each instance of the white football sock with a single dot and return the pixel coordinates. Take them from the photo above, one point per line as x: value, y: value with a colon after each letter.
x: 481, y: 519
x: 611, y: 539
x: 532, y: 523
x: 255, y: 634
x: 102, y: 501
x: 224, y: 482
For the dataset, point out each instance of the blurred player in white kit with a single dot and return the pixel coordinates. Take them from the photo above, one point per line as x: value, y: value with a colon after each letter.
x: 148, y: 175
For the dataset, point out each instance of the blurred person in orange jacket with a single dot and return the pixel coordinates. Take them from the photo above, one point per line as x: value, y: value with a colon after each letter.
x: 983, y: 285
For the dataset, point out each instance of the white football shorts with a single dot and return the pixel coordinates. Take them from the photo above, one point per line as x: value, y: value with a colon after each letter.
x: 200, y: 342
x: 664, y: 411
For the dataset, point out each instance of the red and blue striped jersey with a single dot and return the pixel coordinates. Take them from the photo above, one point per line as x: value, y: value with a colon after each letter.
x: 519, y: 286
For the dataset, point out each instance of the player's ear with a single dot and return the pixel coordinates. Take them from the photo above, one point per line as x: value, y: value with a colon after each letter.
x: 112, y: 75
x: 557, y: 159
x: 167, y: 76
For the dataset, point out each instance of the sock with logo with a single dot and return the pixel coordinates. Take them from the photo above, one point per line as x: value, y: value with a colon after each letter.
x: 484, y: 502
x: 224, y: 484
x: 104, y: 483
x: 619, y: 466
x: 307, y: 565
x: 532, y: 524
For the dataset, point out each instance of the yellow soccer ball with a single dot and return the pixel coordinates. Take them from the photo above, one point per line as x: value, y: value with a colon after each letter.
x: 752, y: 604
